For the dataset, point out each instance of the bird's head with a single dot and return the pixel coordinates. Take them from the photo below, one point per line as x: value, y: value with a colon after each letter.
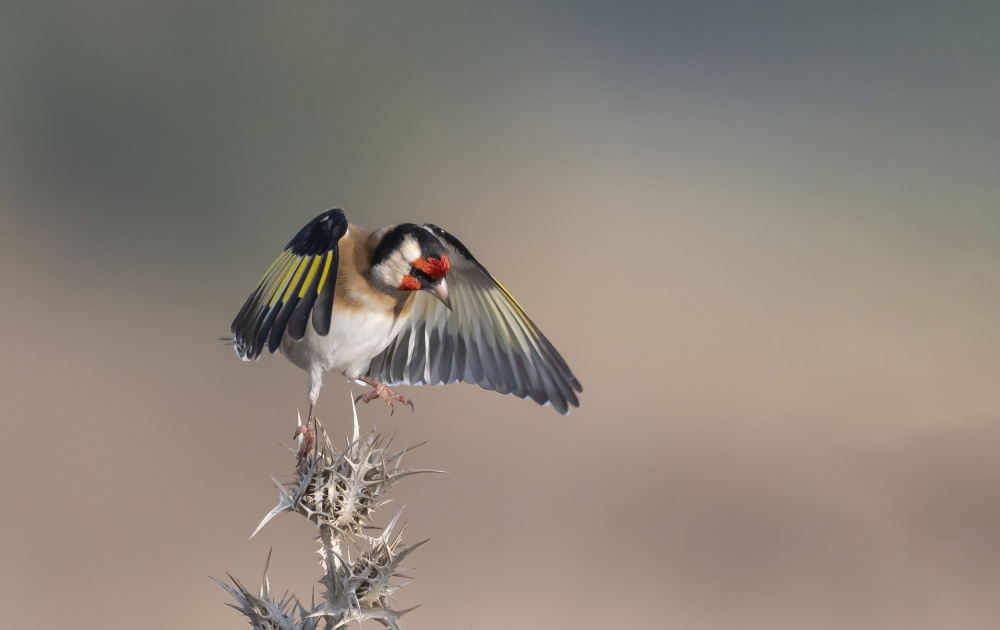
x: 410, y: 258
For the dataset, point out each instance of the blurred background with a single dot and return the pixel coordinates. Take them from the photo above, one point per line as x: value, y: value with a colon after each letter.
x: 766, y: 238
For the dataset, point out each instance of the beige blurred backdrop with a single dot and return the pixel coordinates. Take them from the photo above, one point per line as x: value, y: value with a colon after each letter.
x: 766, y: 239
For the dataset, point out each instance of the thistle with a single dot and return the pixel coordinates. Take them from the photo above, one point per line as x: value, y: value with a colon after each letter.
x: 263, y: 612
x: 340, y: 491
x: 361, y: 590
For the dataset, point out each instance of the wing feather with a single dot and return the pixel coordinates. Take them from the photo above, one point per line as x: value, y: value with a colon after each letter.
x: 307, y: 295
x: 300, y: 283
x: 486, y: 339
x: 322, y: 313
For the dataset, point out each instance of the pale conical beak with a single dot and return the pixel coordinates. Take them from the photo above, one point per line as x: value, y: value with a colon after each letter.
x: 440, y: 290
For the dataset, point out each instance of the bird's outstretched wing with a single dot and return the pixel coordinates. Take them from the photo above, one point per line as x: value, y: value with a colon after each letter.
x: 486, y: 338
x: 301, y: 281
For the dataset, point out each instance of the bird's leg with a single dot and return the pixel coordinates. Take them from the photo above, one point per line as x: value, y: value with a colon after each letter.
x: 308, y: 433
x: 309, y: 430
x: 384, y: 392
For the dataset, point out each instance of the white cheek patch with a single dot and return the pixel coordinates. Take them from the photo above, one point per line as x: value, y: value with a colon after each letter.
x: 410, y: 251
x: 391, y: 271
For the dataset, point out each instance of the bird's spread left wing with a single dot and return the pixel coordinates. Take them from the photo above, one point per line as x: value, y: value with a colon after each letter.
x: 299, y: 283
x: 485, y: 339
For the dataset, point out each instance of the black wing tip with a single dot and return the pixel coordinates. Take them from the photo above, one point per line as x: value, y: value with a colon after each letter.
x: 319, y: 235
x: 244, y: 350
x: 565, y: 406
x: 562, y: 400
x: 561, y: 405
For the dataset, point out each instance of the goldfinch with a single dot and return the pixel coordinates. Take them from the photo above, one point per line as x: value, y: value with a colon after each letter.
x: 405, y: 304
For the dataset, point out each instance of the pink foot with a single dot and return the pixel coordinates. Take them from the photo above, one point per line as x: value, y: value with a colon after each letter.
x: 384, y: 392
x: 308, y: 433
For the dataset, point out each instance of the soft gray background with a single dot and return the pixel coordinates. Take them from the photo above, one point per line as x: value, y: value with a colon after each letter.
x: 767, y: 239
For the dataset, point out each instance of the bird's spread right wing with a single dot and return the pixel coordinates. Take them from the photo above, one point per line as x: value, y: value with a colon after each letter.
x: 486, y: 339
x: 299, y: 283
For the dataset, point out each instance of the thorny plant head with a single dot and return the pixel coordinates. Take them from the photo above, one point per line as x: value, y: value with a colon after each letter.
x: 339, y: 492
x: 362, y: 589
x: 263, y: 612
x: 343, y: 489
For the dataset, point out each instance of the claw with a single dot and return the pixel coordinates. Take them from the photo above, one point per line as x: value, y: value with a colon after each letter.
x: 307, y: 432
x: 308, y: 440
x: 383, y: 391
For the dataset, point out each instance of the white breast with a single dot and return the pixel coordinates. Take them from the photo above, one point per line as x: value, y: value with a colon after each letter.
x: 354, y: 338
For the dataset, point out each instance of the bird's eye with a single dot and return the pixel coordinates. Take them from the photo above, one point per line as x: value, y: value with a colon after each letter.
x: 433, y: 268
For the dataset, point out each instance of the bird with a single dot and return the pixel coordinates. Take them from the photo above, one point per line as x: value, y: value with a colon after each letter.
x: 405, y: 304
